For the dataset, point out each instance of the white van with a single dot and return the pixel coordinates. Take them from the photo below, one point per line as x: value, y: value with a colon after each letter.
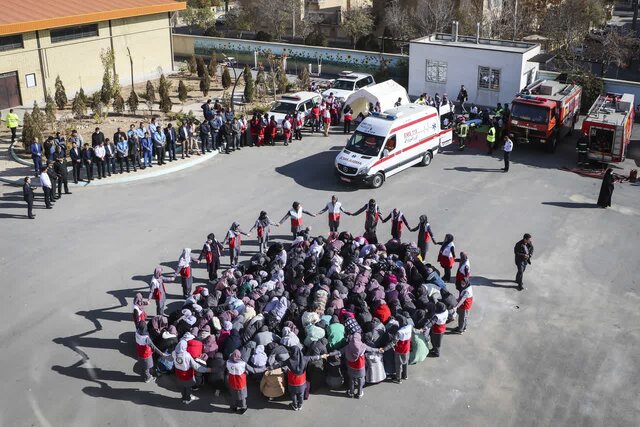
x: 389, y: 142
x: 347, y: 83
x: 291, y: 104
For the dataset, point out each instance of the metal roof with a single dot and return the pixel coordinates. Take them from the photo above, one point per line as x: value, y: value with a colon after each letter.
x: 32, y: 15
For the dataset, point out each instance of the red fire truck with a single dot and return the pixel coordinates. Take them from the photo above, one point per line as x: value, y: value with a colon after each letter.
x: 608, y: 127
x: 544, y: 112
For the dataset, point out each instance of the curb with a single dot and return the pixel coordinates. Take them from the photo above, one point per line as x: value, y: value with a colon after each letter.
x: 163, y: 171
x: 96, y: 183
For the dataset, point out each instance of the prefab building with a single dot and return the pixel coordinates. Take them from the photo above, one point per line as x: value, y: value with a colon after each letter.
x: 492, y: 71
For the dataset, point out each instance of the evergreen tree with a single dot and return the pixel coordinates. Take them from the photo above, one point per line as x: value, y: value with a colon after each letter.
x: 106, y: 92
x: 150, y: 95
x: 79, y: 105
x: 304, y: 80
x: 249, y: 85
x: 27, y: 130
x: 192, y: 66
x: 132, y: 101
x: 164, y: 87
x: 97, y: 106
x: 212, y: 68
x: 183, y: 92
x: 39, y: 121
x: 118, y: 102
x: 205, y: 84
x: 165, y: 103
x: 60, y: 94
x: 226, y: 79
x: 83, y: 96
x: 200, y: 67
x: 49, y: 109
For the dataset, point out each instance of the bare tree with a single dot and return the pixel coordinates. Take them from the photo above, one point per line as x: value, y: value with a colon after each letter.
x: 357, y: 22
x: 433, y: 16
x: 613, y: 48
x: 398, y: 20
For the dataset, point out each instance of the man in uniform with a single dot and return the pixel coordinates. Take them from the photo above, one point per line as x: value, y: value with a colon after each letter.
x: 491, y: 137
x: 27, y: 193
x: 60, y: 168
x: 12, y: 121
x: 462, y: 131
x: 582, y: 147
x: 507, y: 148
x: 334, y: 207
x: 523, y: 251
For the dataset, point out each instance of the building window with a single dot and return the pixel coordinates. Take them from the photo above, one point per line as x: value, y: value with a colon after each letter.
x: 11, y: 42
x: 436, y: 71
x: 488, y: 78
x: 71, y: 33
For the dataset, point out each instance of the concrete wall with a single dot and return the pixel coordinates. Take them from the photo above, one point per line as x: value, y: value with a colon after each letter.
x: 78, y: 61
x: 462, y: 68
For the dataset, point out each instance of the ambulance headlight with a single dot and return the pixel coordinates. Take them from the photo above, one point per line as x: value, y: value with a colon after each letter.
x: 543, y: 141
x: 364, y: 170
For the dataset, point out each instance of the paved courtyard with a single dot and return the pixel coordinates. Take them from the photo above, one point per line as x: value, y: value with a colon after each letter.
x: 563, y: 352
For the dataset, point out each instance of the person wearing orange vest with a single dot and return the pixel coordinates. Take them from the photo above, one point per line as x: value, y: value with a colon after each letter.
x: 372, y: 217
x: 296, y: 367
x: 295, y: 214
x: 425, y: 235
x: 334, y: 207
x: 145, y: 349
x: 186, y: 368
x: 401, y: 345
x: 210, y: 253
x: 237, y: 381
x: 447, y: 256
x: 234, y: 240
x: 348, y: 118
x: 465, y: 301
x: 397, y: 219
x: 464, y: 271
x: 263, y: 228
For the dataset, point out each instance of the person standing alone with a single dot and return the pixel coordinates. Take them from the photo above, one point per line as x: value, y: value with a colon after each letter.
x: 27, y: 192
x: 507, y: 148
x: 12, y: 123
x: 523, y: 252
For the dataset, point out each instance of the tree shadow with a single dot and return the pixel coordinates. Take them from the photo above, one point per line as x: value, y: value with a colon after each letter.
x: 571, y: 205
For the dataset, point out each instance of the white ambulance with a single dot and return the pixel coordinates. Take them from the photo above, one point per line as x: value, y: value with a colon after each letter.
x: 389, y: 142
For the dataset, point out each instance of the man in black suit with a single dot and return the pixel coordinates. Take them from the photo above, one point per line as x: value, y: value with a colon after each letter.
x: 170, y: 133
x: 97, y: 137
x: 76, y: 161
x: 87, y: 159
x: 27, y: 192
x: 60, y: 169
x: 54, y: 181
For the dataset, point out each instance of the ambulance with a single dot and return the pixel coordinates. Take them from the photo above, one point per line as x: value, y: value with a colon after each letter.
x: 386, y: 143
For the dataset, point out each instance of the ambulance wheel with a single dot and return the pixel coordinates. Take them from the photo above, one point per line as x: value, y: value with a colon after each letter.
x: 377, y: 180
x: 426, y: 159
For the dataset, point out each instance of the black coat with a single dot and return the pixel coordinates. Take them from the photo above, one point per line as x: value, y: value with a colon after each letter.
x: 27, y: 193
x: 97, y: 138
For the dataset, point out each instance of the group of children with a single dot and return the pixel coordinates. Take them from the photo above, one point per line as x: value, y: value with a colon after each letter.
x: 323, y: 312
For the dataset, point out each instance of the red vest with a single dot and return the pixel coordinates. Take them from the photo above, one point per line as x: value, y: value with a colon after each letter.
x: 185, y: 375
x: 185, y: 272
x: 403, y: 347
x: 293, y: 379
x: 296, y: 218
x: 194, y: 348
x: 357, y: 364
x: 142, y: 348
x: 237, y: 382
x: 466, y: 305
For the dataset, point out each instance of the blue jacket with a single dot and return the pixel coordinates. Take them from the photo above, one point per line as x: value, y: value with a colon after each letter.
x: 159, y: 138
x: 36, y: 150
x: 147, y: 144
x: 122, y: 147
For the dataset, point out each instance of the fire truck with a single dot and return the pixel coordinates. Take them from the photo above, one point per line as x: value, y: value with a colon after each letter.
x: 608, y: 127
x: 544, y: 112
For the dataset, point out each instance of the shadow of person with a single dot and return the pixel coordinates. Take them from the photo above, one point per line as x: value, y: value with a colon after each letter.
x: 468, y: 169
x: 493, y: 283
x: 571, y: 205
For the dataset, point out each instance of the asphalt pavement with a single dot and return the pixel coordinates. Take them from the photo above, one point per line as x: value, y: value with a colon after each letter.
x: 562, y: 352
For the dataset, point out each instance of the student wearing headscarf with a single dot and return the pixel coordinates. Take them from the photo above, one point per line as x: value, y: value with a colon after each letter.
x: 139, y: 315
x: 334, y: 207
x: 295, y: 214
x: 425, y: 235
x: 447, y: 256
x: 397, y: 220
x: 464, y: 271
x: 401, y: 344
x: 296, y: 367
x: 158, y: 291
x: 211, y: 252
x: 237, y: 381
x: 354, y: 353
x: 438, y: 326
x: 372, y: 217
x: 145, y: 349
x: 465, y: 301
x: 234, y: 240
x: 606, y: 189
x: 263, y: 229
x: 186, y: 368
x: 184, y: 269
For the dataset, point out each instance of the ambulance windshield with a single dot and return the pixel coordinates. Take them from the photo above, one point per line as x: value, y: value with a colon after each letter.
x: 343, y: 84
x: 365, y: 143
x: 529, y: 113
x: 283, y: 107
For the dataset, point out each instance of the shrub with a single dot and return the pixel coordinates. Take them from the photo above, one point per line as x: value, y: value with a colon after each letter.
x: 316, y: 38
x: 263, y: 36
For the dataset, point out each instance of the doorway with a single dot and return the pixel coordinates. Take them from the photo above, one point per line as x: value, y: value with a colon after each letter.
x: 9, y: 90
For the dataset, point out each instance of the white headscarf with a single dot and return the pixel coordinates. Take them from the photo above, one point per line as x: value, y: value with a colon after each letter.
x: 188, y: 317
x: 185, y: 258
x: 181, y: 347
